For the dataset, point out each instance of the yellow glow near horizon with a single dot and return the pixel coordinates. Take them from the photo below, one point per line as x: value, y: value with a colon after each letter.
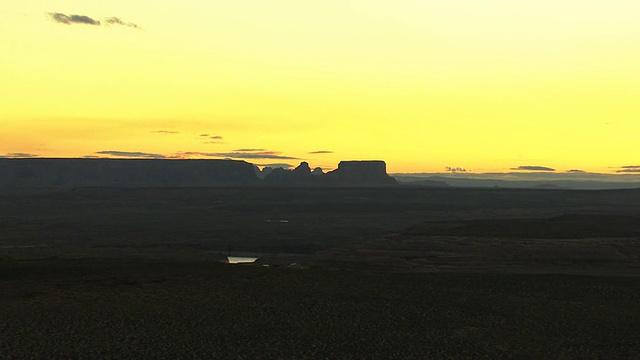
x: 486, y: 85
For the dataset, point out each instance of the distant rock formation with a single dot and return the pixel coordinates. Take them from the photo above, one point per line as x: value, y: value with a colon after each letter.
x: 257, y: 171
x: 300, y: 176
x: 303, y: 169
x: 360, y: 173
x: 66, y: 173
x: 265, y: 171
x: 348, y: 173
x: 70, y: 173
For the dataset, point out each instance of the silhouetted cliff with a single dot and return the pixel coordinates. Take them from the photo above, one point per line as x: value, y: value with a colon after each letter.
x: 360, y: 173
x: 300, y: 176
x: 125, y: 173
x: 348, y: 173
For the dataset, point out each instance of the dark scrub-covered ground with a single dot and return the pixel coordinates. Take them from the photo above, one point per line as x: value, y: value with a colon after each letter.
x: 167, y: 309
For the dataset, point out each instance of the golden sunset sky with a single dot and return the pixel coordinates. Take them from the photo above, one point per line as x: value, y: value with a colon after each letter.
x: 487, y: 85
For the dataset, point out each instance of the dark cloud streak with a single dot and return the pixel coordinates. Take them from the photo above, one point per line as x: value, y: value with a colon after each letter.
x: 18, y: 156
x: 272, y: 155
x: 533, y: 168
x: 87, y: 20
x: 277, y: 165
x: 249, y: 150
x: 258, y: 155
x: 455, y: 169
x: 629, y: 169
x: 117, y: 21
x: 133, y: 154
x: 267, y: 155
x: 73, y: 19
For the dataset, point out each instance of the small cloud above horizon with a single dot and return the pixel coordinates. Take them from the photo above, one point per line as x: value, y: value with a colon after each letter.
x: 117, y: 21
x: 209, y: 137
x: 277, y: 165
x: 320, y: 152
x: 576, y: 171
x: 131, y: 154
x: 238, y: 154
x: 249, y: 150
x: 72, y: 19
x: 455, y: 169
x: 533, y: 168
x: 18, y: 155
x: 272, y: 155
x: 629, y: 169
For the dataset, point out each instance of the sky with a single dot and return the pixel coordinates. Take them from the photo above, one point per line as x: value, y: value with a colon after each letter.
x: 426, y: 85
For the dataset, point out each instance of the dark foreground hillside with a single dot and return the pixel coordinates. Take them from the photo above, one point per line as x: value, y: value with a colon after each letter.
x: 100, y: 308
x: 380, y: 273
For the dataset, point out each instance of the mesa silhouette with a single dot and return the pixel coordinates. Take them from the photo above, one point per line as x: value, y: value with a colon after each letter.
x: 70, y: 173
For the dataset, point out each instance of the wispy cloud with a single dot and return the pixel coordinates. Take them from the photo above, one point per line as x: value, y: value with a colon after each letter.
x: 71, y: 19
x: 533, y: 168
x: 629, y: 169
x: 266, y: 155
x: 455, y: 169
x: 165, y: 132
x: 215, y: 139
x: 273, y: 155
x: 277, y: 165
x: 117, y: 21
x: 259, y: 155
x: 321, y: 152
x: 18, y: 155
x: 131, y: 154
x: 249, y: 150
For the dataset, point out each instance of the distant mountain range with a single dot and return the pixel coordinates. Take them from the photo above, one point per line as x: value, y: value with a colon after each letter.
x: 581, y: 181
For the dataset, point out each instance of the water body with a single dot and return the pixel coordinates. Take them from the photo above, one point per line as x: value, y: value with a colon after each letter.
x: 241, y: 259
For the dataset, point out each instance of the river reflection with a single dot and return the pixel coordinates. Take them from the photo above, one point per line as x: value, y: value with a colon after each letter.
x: 241, y: 259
